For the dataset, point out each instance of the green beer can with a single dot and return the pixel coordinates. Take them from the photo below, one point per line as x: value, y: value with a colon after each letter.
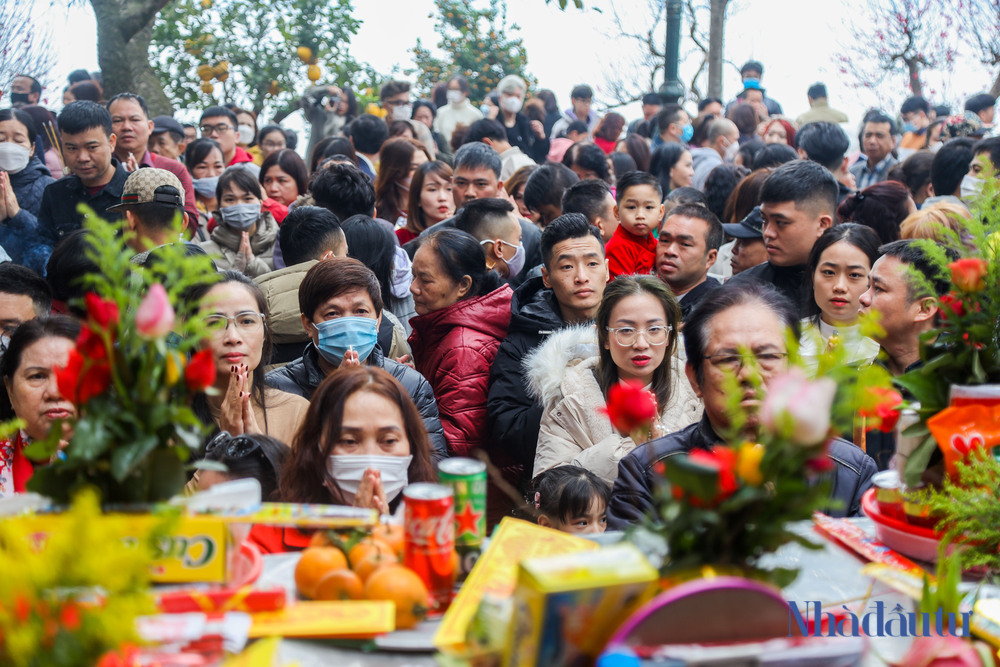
x: 467, y: 478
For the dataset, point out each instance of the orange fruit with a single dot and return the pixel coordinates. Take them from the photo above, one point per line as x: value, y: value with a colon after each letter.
x: 373, y: 562
x: 340, y: 585
x: 316, y: 563
x: 368, y: 546
x: 392, y: 534
x: 403, y: 587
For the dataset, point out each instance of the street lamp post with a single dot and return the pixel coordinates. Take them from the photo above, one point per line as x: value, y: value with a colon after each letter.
x: 672, y: 90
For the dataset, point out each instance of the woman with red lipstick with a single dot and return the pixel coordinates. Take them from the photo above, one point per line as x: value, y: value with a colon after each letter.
x: 572, y: 372
x: 241, y: 344
x: 838, y: 268
x: 430, y: 200
x: 29, y: 391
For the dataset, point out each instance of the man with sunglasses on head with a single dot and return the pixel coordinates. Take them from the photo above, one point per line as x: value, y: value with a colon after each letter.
x: 738, y: 331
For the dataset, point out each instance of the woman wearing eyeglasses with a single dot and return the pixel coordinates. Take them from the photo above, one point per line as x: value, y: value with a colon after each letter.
x: 572, y: 372
x: 241, y: 344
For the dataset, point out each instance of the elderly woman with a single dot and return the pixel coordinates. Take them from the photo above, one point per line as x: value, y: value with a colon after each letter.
x: 573, y: 371
x: 29, y: 391
x: 528, y: 135
x: 463, y: 310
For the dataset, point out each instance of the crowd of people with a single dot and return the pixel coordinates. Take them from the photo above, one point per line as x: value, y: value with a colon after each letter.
x: 443, y: 279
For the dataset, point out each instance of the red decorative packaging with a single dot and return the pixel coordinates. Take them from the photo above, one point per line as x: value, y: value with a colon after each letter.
x: 222, y: 600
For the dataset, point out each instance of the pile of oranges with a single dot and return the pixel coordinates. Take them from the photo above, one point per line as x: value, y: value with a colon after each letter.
x: 369, y: 568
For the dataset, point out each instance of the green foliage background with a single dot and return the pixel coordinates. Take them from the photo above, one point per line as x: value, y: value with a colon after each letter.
x: 478, y: 43
x: 259, y: 41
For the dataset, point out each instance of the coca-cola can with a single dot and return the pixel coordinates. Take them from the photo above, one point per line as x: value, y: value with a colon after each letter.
x: 429, y: 542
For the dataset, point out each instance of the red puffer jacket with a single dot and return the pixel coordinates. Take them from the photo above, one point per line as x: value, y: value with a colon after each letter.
x: 454, y: 348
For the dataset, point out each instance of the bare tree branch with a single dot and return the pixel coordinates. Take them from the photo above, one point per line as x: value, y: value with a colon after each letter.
x: 25, y: 43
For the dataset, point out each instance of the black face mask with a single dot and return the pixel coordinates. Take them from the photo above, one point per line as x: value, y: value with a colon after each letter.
x: 19, y: 98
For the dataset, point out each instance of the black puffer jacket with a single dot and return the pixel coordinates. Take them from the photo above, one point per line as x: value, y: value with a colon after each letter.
x: 513, y: 415
x: 789, y: 280
x: 632, y: 496
x: 302, y: 376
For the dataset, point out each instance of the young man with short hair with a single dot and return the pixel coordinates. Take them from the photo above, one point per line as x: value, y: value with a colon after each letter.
x: 493, y: 134
x: 395, y: 99
x: 820, y: 110
x: 220, y: 123
x: 152, y: 200
x: 948, y: 170
x: 826, y: 144
x: 907, y: 310
x: 96, y: 177
x: 367, y: 133
x: 543, y: 191
x: 574, y: 275
x: 673, y: 125
x: 592, y: 197
x: 798, y: 203
x: 494, y: 223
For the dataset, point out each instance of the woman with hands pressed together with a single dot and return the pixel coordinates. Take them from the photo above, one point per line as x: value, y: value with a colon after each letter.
x: 361, y: 443
x: 236, y: 311
x: 244, y: 239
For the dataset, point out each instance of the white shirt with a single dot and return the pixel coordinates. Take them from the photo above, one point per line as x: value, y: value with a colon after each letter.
x: 861, y: 350
x: 449, y: 116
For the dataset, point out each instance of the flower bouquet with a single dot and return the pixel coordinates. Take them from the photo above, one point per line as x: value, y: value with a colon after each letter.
x: 729, y: 506
x: 73, y: 600
x: 963, y: 349
x: 132, y: 376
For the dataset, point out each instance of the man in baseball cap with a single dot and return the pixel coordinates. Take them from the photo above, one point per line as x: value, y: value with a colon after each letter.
x: 749, y: 250
x: 167, y: 138
x: 152, y: 203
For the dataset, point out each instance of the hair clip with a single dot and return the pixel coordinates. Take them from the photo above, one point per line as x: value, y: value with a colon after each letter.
x: 538, y: 499
x: 859, y: 197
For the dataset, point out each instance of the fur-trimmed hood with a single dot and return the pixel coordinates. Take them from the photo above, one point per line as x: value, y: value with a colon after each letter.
x: 545, y: 368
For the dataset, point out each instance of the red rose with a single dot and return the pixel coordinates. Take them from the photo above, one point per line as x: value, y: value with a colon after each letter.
x: 952, y: 304
x: 630, y: 407
x: 723, y: 460
x: 69, y: 616
x: 883, y: 405
x: 969, y: 274
x: 199, y: 374
x: 82, y: 379
x: 101, y: 312
x: 90, y: 344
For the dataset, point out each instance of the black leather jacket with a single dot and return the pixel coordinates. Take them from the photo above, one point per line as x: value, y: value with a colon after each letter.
x: 302, y: 376
x: 632, y: 496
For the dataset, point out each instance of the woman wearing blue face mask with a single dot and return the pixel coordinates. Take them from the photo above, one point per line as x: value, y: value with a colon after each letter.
x: 23, y: 178
x: 340, y: 301
x: 244, y: 238
x: 203, y: 159
x: 361, y: 444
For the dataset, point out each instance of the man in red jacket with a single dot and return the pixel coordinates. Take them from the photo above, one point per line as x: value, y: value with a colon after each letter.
x: 131, y: 125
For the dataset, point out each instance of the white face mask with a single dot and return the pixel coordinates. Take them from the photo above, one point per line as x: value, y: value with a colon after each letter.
x: 13, y: 157
x: 455, y: 97
x: 731, y: 150
x: 402, y: 112
x: 245, y: 133
x: 511, y: 104
x: 348, y: 469
x: 971, y: 188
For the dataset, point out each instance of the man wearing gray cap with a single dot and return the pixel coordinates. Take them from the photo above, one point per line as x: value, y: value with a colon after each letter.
x: 152, y: 202
x: 748, y: 249
x: 167, y: 138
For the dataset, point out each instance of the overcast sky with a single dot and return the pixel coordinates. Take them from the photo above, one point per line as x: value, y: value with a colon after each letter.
x: 566, y: 48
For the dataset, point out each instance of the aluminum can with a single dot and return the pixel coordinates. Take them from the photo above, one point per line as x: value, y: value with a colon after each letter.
x: 429, y: 540
x: 467, y: 479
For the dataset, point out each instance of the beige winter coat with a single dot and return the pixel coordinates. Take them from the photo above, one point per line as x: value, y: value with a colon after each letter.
x: 562, y: 373
x: 224, y: 247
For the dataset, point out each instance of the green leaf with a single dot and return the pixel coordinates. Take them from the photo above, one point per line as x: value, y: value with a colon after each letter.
x: 91, y: 439
x: 916, y: 463
x: 126, y: 458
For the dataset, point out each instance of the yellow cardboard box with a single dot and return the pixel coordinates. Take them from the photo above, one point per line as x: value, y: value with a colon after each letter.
x: 496, y: 572
x: 567, y: 607
x: 195, y: 549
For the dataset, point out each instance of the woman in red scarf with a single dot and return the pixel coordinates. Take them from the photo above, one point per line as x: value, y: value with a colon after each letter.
x: 29, y: 391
